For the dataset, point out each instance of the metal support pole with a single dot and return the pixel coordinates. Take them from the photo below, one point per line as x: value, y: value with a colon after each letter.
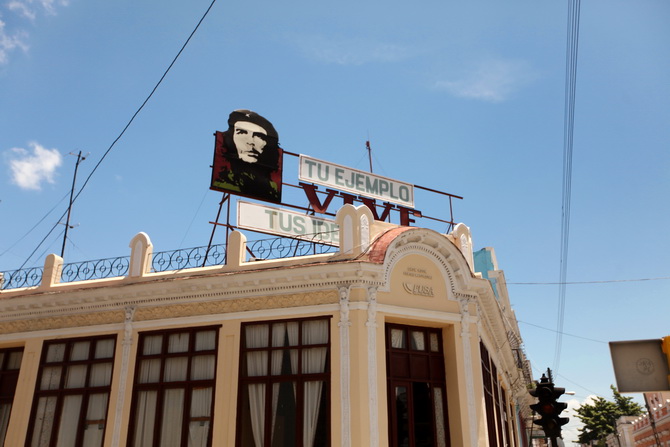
x: 69, y: 208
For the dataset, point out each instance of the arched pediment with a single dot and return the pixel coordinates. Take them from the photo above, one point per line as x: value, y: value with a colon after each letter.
x: 423, y: 267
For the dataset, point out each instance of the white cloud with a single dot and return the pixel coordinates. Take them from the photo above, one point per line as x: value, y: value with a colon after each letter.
x: 30, y: 169
x: 8, y: 43
x: 11, y: 40
x: 28, y: 8
x: 350, y: 51
x: 495, y: 80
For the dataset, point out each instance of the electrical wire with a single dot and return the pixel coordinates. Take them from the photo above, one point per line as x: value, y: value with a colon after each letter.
x: 35, y: 226
x: 609, y: 281
x: 95, y: 168
x: 568, y: 133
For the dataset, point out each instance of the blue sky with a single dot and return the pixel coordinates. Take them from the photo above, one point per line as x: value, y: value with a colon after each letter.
x: 463, y: 97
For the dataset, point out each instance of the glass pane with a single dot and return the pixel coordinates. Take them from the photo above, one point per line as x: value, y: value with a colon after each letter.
x: 314, y: 360
x: 50, y: 378
x: 434, y: 344
x: 205, y: 340
x: 398, y: 339
x: 14, y: 360
x: 423, y: 414
x: 201, y: 402
x: 153, y: 344
x: 150, y: 371
x: 80, y: 350
x: 44, y: 419
x: 202, y: 367
x: 94, y: 427
x: 402, y: 417
x: 252, y: 428
x: 104, y: 349
x: 257, y: 363
x: 279, y: 334
x: 198, y: 427
x: 439, y: 418
x: 283, y: 414
x: 173, y: 409
x: 101, y: 374
x: 145, y: 418
x: 175, y: 369
x: 178, y: 342
x: 69, y: 421
x: 312, y: 405
x: 315, y: 332
x: 418, y: 342
x: 5, y: 409
x: 256, y: 336
x: 76, y: 376
x: 56, y: 353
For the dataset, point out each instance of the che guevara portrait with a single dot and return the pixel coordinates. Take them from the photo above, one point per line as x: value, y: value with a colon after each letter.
x: 247, y: 158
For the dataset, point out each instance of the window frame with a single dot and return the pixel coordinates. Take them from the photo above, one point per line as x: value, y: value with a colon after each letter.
x: 62, y: 391
x: 270, y: 379
x: 188, y: 385
x: 8, y: 381
x: 397, y: 375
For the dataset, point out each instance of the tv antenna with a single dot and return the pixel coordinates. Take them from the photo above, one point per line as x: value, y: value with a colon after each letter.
x: 80, y: 158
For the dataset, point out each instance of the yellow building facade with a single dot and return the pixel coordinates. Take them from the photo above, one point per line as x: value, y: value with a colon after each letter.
x: 393, y: 340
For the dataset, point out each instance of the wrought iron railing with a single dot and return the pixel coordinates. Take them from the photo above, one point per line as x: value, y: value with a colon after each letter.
x: 99, y: 269
x: 185, y: 258
x: 15, y: 279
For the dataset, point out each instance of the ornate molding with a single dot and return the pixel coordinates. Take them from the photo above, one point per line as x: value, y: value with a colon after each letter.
x: 63, y: 321
x: 239, y: 305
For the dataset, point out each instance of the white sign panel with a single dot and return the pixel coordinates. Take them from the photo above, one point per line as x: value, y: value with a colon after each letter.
x: 355, y: 181
x: 278, y: 221
x: 640, y: 366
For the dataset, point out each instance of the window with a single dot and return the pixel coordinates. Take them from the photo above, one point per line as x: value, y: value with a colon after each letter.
x: 71, y: 399
x: 173, y: 395
x: 496, y: 402
x: 284, y: 393
x: 416, y: 387
x: 10, y: 362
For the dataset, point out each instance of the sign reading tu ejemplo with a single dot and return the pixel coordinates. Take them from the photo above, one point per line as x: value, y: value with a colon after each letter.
x: 355, y: 181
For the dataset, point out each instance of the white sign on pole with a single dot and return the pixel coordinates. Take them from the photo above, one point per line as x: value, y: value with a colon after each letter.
x: 278, y: 221
x: 640, y: 366
x: 355, y: 181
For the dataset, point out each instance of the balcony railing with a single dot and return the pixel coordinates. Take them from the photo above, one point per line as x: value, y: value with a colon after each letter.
x: 163, y: 261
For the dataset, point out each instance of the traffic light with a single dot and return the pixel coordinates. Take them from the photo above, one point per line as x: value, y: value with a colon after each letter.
x: 548, y: 408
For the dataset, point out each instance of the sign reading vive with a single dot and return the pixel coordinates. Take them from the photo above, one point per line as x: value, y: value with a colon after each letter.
x: 355, y: 181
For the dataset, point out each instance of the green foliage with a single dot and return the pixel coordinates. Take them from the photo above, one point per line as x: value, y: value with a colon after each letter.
x: 599, y: 418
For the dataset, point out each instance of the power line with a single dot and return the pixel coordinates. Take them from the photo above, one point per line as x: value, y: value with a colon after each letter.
x: 568, y: 133
x: 126, y: 127
x: 609, y: 281
x: 564, y: 333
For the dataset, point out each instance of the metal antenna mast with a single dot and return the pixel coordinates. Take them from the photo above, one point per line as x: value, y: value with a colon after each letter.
x: 69, y: 208
x: 367, y: 146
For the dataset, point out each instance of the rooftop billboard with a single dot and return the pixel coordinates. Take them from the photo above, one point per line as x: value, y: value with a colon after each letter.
x: 247, y: 158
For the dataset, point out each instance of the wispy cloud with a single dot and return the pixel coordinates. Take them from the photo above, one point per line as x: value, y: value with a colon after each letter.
x: 31, y: 168
x: 494, y: 80
x: 30, y: 8
x: 350, y: 51
x: 11, y: 40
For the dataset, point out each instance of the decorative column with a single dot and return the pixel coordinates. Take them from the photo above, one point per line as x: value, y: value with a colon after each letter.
x: 126, y: 344
x: 468, y: 367
x: 345, y: 365
x: 371, y: 324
